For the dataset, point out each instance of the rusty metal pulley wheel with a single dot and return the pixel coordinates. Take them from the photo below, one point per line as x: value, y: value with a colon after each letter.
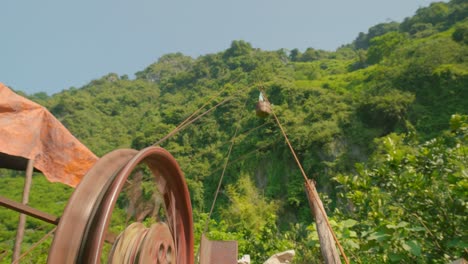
x: 84, y: 225
x: 138, y: 244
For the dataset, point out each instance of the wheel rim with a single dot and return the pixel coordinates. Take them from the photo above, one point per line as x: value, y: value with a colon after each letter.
x: 170, y: 183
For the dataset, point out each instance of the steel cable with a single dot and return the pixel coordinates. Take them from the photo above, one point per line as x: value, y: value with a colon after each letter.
x: 306, y: 179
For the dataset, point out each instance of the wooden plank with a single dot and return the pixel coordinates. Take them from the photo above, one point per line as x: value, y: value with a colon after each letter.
x: 327, y: 243
x: 22, y: 217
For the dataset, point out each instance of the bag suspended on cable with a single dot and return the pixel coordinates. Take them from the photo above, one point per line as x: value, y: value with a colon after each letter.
x: 263, y: 108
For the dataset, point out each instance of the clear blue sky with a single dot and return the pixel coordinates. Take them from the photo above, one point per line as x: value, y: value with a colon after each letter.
x: 52, y: 45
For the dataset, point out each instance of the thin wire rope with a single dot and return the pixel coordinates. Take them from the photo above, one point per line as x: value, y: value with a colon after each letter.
x: 35, y: 245
x: 244, y: 157
x: 185, y: 124
x: 306, y: 179
x: 178, y: 128
x: 175, y: 130
x: 220, y: 182
x: 204, y: 113
x: 224, y: 170
x: 243, y: 133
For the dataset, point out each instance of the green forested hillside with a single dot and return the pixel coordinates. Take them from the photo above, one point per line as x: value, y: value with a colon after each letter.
x: 380, y: 124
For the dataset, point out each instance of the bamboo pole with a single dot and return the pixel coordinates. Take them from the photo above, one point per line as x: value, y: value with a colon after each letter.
x: 327, y: 243
x: 22, y: 217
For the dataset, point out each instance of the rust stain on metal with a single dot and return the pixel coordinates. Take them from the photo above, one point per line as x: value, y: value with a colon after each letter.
x: 29, y: 131
x: 214, y: 252
x: 28, y: 210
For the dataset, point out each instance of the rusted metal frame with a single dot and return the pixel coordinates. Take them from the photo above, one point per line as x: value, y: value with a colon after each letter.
x: 43, y: 216
x: 28, y: 210
x: 213, y: 251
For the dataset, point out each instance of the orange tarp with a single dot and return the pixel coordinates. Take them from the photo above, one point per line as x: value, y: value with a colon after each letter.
x: 29, y: 131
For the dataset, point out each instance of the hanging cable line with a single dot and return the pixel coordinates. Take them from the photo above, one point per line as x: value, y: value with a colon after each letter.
x: 220, y: 182
x: 264, y: 100
x: 35, y: 245
x: 239, y: 135
x: 222, y: 174
x: 188, y: 122
x: 306, y: 179
x: 243, y: 157
x: 188, y: 118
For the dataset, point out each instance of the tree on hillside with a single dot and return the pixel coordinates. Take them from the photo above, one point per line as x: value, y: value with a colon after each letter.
x: 383, y: 46
x: 167, y: 66
x: 363, y: 39
x: 238, y: 48
x: 461, y: 33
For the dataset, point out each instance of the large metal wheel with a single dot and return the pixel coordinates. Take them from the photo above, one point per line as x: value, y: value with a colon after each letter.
x: 83, y: 228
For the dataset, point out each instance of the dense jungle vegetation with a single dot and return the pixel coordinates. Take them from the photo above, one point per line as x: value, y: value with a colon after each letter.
x: 380, y: 124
